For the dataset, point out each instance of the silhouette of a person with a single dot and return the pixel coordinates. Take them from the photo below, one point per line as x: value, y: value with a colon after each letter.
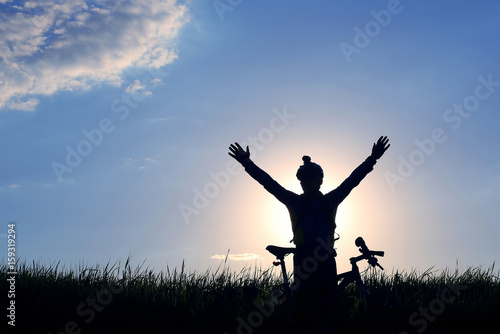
x: 312, y: 213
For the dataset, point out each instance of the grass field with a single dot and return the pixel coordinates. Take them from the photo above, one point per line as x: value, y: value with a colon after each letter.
x: 119, y: 299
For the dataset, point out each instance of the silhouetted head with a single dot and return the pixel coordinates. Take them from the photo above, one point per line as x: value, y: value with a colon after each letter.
x: 310, y: 175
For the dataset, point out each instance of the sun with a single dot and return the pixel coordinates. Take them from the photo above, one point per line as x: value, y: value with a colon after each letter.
x: 277, y: 218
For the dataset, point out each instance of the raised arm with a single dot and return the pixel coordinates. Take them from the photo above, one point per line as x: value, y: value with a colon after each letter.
x: 243, y: 157
x: 340, y: 193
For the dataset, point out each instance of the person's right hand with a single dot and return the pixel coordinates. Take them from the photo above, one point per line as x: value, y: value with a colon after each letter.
x: 238, y: 153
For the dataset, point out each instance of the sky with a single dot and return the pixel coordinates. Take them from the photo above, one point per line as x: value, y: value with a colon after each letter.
x: 116, y: 117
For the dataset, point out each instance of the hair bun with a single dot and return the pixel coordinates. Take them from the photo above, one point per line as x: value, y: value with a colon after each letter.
x: 306, y: 159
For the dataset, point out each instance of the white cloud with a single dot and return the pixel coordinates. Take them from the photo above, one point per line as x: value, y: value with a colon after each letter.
x: 138, y: 89
x: 46, y: 47
x: 236, y: 257
x: 150, y: 160
x: 139, y: 164
x: 158, y: 120
x: 28, y: 104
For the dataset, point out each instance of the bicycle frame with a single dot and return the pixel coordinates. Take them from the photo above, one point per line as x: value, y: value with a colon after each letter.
x: 281, y: 253
x: 344, y: 278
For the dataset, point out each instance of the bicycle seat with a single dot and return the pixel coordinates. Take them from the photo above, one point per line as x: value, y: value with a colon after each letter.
x: 280, y: 252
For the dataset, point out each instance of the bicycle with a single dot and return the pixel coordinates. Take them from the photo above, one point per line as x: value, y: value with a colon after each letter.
x: 346, y: 278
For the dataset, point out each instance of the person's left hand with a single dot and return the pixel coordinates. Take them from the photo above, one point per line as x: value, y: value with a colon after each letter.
x: 380, y: 147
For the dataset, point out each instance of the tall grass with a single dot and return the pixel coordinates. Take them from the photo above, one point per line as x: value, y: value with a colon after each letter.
x: 132, y: 300
x: 435, y: 301
x: 116, y: 298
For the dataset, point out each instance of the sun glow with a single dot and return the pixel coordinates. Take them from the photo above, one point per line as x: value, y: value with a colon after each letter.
x: 278, y: 218
x: 280, y: 228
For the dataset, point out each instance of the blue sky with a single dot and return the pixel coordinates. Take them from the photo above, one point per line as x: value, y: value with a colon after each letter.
x: 116, y: 116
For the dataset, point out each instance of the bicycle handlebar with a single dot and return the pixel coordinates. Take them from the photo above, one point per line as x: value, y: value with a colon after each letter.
x: 367, y: 254
x: 360, y: 242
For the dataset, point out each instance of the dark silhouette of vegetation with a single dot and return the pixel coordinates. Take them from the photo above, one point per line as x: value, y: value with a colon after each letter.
x: 119, y: 299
